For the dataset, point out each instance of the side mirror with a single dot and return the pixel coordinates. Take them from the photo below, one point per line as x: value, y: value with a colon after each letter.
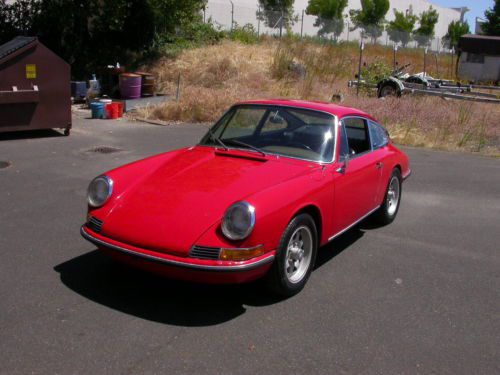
x: 344, y: 162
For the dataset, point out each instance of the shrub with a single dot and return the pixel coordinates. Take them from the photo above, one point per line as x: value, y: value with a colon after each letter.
x: 376, y: 71
x: 245, y: 34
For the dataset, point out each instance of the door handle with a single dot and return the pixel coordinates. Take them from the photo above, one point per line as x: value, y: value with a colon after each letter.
x: 379, y: 165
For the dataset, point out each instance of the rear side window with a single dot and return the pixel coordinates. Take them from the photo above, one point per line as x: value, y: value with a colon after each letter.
x: 378, y: 134
x: 357, y: 135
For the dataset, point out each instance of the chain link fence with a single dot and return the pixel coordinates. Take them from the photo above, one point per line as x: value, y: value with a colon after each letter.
x: 227, y: 16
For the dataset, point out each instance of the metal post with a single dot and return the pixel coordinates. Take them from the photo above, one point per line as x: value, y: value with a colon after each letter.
x: 281, y: 23
x: 361, y: 48
x: 437, y: 64
x: 178, y: 94
x: 348, y: 31
x: 451, y: 66
x: 232, y: 15
x: 258, y: 22
x: 425, y: 60
x: 394, y: 60
x: 204, y: 14
x: 302, y: 25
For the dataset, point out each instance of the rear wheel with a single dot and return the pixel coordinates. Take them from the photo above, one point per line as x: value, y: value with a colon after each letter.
x: 295, y: 257
x: 388, y: 89
x: 390, y: 206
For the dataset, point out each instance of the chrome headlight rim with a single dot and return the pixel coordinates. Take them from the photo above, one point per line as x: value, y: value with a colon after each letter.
x: 249, y: 210
x: 109, y: 183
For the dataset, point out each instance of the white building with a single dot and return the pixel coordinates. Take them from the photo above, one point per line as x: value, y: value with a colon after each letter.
x: 244, y: 12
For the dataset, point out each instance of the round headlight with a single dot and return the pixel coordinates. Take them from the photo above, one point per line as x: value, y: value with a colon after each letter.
x: 100, y: 189
x: 238, y: 221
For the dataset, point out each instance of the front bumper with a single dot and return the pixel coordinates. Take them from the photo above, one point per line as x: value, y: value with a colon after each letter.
x: 190, y: 269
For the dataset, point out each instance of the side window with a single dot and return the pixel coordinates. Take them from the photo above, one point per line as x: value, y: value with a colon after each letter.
x: 357, y: 135
x: 378, y: 135
x: 475, y: 58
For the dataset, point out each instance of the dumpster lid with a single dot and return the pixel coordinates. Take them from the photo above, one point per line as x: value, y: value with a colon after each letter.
x: 13, y: 45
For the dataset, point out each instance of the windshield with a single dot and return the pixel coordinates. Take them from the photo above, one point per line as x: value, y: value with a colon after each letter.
x: 294, y: 132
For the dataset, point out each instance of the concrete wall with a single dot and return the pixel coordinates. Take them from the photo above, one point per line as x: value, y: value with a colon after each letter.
x: 244, y: 12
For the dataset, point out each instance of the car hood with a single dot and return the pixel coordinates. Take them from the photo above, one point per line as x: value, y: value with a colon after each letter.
x: 172, y: 206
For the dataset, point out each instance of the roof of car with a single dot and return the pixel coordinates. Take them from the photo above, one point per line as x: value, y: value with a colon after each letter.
x: 334, y: 109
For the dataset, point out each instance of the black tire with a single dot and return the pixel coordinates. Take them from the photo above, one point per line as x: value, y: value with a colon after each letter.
x: 67, y: 132
x: 386, y: 213
x: 388, y: 89
x: 277, y: 279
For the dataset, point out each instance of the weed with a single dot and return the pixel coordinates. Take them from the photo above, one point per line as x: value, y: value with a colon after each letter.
x: 216, y: 76
x: 245, y: 34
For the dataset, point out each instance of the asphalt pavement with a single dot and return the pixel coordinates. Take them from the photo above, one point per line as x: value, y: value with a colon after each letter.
x: 420, y: 296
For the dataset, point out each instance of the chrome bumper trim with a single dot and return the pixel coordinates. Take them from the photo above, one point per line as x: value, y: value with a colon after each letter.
x: 353, y: 224
x: 170, y: 262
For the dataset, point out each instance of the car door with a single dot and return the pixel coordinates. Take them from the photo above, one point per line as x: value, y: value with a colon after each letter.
x: 357, y: 175
x: 379, y: 140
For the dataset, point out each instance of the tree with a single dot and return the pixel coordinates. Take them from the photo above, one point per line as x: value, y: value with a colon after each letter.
x: 371, y: 17
x: 329, y: 16
x: 401, y: 28
x: 6, y: 31
x: 428, y: 20
x: 455, y: 30
x: 17, y: 18
x: 492, y: 24
x: 276, y: 13
x: 91, y: 34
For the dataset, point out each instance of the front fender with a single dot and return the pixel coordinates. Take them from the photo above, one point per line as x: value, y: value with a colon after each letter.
x: 276, y: 206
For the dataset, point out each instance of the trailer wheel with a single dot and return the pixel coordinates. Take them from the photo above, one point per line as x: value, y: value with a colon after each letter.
x: 67, y: 132
x: 388, y: 89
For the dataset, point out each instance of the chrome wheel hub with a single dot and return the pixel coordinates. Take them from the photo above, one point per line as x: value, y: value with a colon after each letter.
x: 298, y: 254
x: 393, y: 196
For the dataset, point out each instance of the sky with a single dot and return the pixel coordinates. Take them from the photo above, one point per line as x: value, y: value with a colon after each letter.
x: 477, y: 8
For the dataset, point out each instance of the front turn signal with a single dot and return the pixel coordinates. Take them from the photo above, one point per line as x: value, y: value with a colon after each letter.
x: 241, y: 254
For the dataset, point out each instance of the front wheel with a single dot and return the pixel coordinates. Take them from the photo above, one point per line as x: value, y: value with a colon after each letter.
x: 295, y: 257
x: 389, y: 208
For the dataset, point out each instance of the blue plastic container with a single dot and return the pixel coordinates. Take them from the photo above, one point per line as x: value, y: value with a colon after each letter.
x: 97, y: 109
x: 78, y: 90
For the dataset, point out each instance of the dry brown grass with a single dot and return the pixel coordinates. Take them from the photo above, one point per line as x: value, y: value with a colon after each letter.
x: 214, y: 77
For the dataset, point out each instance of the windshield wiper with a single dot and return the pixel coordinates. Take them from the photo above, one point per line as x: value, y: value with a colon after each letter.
x: 216, y: 139
x: 240, y: 143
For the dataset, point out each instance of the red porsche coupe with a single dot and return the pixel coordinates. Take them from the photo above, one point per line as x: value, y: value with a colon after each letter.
x: 269, y: 183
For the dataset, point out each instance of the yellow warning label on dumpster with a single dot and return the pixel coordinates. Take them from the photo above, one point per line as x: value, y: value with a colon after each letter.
x: 30, y: 71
